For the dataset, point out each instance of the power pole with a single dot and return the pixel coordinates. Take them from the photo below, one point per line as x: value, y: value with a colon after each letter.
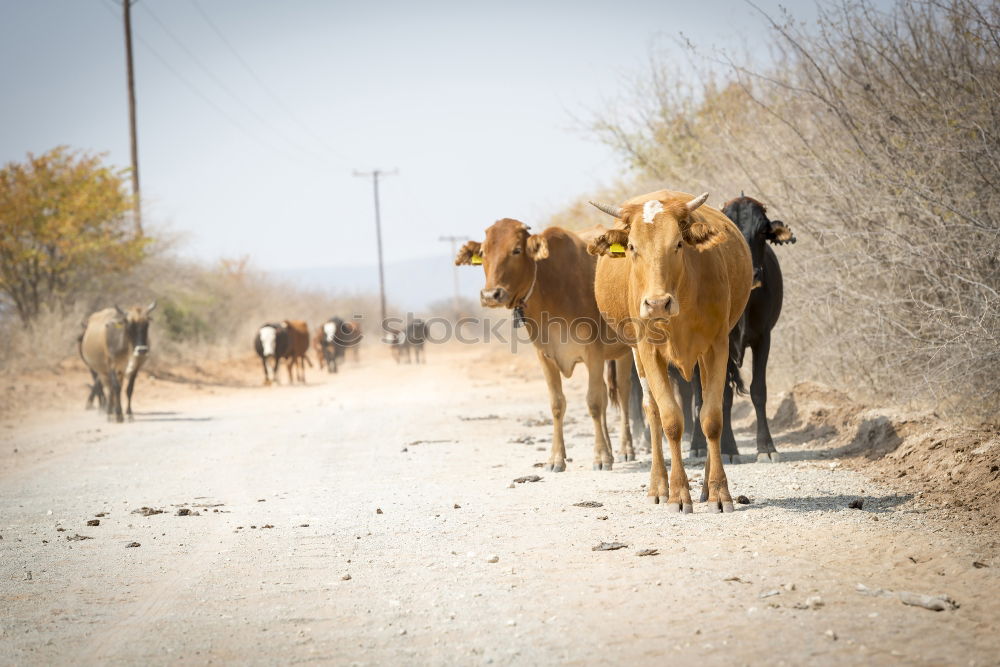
x: 454, y: 269
x: 137, y: 211
x: 375, y: 174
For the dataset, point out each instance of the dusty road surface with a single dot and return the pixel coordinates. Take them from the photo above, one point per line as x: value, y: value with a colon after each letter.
x: 289, y: 559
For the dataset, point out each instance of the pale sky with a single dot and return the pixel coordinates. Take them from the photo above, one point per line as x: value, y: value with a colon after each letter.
x: 249, y: 150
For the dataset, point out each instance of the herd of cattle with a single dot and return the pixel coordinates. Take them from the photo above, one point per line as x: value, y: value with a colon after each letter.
x: 673, y: 295
x: 663, y: 304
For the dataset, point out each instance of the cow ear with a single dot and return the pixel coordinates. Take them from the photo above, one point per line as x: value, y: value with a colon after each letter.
x: 703, y: 236
x: 468, y: 252
x: 779, y: 233
x: 151, y: 307
x: 611, y: 243
x: 537, y: 247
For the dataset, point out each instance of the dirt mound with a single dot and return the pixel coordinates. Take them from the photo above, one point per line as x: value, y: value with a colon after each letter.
x: 943, y: 462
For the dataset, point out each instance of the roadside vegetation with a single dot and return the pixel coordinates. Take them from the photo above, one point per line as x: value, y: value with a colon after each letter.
x: 876, y: 136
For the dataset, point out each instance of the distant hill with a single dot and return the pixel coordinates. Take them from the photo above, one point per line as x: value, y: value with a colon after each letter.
x: 410, y: 284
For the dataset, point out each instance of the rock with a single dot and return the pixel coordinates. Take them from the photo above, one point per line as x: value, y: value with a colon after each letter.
x: 27, y: 575
x: 404, y: 449
x: 132, y: 545
x: 588, y: 503
x: 932, y: 602
x: 101, y: 515
x: 770, y: 593
x: 814, y: 602
x: 603, y: 517
x: 94, y: 522
x: 378, y: 510
x: 301, y: 525
x: 346, y: 577
x: 978, y: 565
x: 831, y: 634
x: 742, y: 500
x: 493, y: 559
x: 609, y: 546
x: 77, y: 538
x: 856, y: 504
x: 457, y: 506
x: 649, y: 552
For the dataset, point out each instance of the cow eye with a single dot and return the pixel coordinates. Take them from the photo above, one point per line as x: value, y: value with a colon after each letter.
x: 680, y: 244
x: 516, y: 250
x: 631, y: 247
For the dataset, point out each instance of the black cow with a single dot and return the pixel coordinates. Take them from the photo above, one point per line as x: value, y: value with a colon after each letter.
x: 754, y: 328
x: 271, y: 342
x: 416, y: 334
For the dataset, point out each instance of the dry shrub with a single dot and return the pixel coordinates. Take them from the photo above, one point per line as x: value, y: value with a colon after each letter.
x: 876, y: 136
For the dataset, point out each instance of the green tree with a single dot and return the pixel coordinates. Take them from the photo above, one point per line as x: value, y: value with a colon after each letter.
x: 62, y: 225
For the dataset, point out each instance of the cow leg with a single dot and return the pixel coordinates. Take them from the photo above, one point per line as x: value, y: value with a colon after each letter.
x: 557, y: 457
x: 713, y: 381
x: 699, y: 446
x: 128, y: 394
x: 623, y: 377
x: 729, y: 448
x: 766, y: 450
x: 673, y: 490
x: 685, y: 393
x: 274, y: 369
x: 597, y: 406
x: 114, y: 397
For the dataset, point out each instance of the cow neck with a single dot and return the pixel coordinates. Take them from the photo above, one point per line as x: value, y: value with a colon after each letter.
x: 524, y: 300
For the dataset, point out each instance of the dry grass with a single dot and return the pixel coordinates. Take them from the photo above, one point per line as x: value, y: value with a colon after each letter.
x: 876, y: 136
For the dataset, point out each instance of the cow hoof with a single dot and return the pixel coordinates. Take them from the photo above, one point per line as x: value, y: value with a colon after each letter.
x: 765, y: 457
x: 673, y: 508
x: 731, y: 458
x: 130, y: 418
x: 603, y: 465
x: 627, y: 456
x: 704, y: 494
x: 699, y: 453
x: 714, y: 508
x: 727, y: 507
x: 555, y: 467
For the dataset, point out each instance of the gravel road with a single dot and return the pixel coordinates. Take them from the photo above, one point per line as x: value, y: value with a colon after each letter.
x: 370, y: 518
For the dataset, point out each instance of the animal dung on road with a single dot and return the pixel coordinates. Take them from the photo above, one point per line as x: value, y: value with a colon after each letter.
x: 184, y: 511
x: 378, y: 510
x: 94, y: 522
x: 742, y: 500
x: 132, y: 545
x: 648, y: 552
x: 147, y: 511
x: 527, y: 478
x: 588, y: 503
x: 857, y: 504
x: 609, y: 546
x: 77, y: 538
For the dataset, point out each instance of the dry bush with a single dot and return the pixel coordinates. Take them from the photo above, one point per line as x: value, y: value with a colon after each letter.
x: 876, y: 136
x: 202, y: 313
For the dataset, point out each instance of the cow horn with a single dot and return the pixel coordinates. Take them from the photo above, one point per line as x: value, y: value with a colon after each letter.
x: 613, y: 211
x: 697, y: 201
x: 119, y: 310
x: 151, y: 307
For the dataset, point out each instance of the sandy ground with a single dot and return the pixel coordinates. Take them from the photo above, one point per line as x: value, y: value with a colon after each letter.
x: 289, y: 560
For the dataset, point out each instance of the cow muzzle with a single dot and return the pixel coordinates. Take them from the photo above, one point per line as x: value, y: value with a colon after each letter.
x: 658, y: 307
x: 494, y: 297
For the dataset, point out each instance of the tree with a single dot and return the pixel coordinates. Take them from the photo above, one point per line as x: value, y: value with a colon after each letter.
x: 62, y: 225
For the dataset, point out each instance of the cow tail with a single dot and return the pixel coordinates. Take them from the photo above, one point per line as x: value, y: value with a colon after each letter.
x: 612, y: 381
x: 733, y: 377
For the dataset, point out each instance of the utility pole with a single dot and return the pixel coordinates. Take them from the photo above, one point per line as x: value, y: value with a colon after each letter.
x: 137, y: 211
x: 454, y: 269
x: 375, y: 174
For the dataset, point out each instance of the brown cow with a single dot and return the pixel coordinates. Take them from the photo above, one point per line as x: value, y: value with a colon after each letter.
x: 548, y: 280
x: 674, y: 280
x: 298, y: 346
x: 114, y: 345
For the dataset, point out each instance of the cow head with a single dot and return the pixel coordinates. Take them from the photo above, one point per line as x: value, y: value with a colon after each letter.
x: 508, y: 256
x: 268, y: 335
x: 331, y: 328
x: 751, y: 217
x: 137, y: 320
x: 657, y: 238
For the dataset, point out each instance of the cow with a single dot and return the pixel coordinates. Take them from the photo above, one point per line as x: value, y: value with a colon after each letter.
x: 416, y: 334
x: 673, y: 279
x: 754, y: 328
x: 326, y: 345
x: 547, y: 279
x: 271, y: 342
x: 349, y: 337
x: 298, y: 347
x: 115, y: 345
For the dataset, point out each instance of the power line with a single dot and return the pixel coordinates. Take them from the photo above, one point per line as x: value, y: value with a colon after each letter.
x: 207, y: 100
x: 222, y: 84
x: 260, y: 82
x: 453, y: 240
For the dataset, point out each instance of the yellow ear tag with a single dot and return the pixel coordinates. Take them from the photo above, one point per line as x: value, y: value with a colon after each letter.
x: 616, y: 249
x: 477, y: 258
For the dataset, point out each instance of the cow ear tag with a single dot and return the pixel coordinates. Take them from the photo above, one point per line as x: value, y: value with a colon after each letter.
x: 616, y: 250
x: 477, y: 258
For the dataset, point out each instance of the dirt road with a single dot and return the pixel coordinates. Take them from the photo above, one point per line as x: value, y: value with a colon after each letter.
x: 289, y: 559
